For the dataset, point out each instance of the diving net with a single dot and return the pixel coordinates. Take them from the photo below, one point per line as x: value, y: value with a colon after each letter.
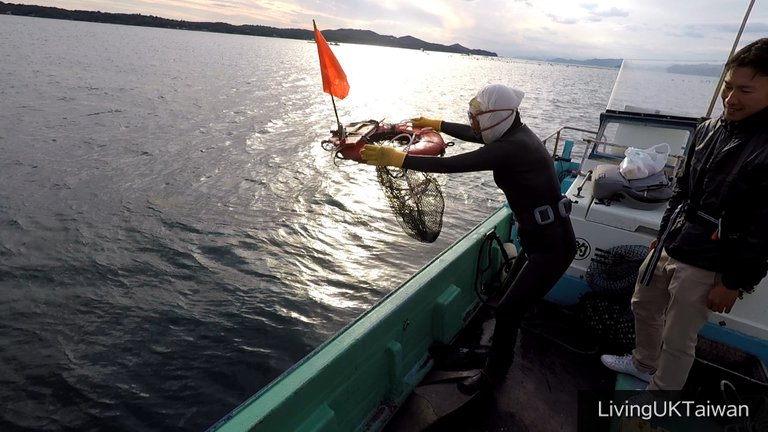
x: 414, y: 197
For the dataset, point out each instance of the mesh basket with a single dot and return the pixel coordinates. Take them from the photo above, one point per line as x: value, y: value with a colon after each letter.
x: 610, y: 320
x: 615, y: 270
x: 416, y: 199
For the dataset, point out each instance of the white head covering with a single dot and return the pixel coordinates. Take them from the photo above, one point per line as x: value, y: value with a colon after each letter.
x: 496, y: 97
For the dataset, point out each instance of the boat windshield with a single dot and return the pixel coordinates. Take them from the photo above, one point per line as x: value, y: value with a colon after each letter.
x: 666, y: 87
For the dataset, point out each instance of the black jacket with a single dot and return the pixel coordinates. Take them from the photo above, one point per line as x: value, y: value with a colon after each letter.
x: 739, y: 251
x: 522, y: 168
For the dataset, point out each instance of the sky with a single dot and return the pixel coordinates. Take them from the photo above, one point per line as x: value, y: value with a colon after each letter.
x: 695, y: 30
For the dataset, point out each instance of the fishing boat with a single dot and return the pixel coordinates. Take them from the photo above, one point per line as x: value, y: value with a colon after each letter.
x: 395, y: 367
x: 380, y: 369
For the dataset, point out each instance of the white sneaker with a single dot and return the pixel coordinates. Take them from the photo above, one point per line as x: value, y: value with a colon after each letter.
x: 623, y: 364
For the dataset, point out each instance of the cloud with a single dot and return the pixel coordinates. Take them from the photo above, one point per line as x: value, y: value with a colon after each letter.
x: 583, y: 13
x: 560, y: 28
x: 702, y: 31
x: 560, y: 20
x: 594, y: 11
x: 612, y: 12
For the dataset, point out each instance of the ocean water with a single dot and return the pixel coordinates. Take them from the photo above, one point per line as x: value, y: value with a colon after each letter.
x: 172, y: 234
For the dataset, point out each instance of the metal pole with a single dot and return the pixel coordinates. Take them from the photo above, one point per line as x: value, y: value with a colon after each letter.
x: 340, y: 129
x: 733, y: 49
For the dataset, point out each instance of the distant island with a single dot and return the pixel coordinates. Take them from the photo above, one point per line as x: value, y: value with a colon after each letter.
x: 606, y: 63
x: 698, y: 69
x: 703, y: 69
x: 366, y: 37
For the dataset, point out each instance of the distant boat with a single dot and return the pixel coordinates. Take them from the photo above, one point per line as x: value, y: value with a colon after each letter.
x: 329, y: 43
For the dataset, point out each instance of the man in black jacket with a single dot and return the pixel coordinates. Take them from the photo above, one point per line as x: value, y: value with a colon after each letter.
x: 713, y: 242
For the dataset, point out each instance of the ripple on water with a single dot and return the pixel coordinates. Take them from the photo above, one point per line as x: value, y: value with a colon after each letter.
x: 173, y: 236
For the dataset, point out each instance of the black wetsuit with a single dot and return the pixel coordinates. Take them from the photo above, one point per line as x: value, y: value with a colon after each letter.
x: 524, y: 171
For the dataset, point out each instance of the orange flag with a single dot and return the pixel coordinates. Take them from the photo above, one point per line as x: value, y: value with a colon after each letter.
x: 334, y: 79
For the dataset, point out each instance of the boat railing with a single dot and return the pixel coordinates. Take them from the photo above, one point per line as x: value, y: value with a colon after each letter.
x: 558, y: 134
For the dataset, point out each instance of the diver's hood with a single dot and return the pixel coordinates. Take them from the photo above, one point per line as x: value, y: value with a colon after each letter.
x: 495, y: 97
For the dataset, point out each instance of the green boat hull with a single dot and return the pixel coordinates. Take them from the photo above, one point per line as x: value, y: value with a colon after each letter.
x: 358, y: 379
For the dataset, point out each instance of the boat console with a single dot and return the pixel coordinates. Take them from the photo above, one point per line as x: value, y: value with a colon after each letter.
x: 601, y: 225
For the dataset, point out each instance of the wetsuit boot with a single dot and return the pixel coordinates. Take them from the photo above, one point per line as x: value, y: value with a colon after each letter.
x: 496, y: 368
x: 491, y: 376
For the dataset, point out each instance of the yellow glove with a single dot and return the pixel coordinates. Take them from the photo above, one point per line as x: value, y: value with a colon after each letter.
x: 423, y: 122
x: 382, y: 156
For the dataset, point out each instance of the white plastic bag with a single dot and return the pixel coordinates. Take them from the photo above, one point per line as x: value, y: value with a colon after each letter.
x: 640, y: 163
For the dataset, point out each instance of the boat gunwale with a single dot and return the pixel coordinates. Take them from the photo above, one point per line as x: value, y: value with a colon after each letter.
x: 250, y: 413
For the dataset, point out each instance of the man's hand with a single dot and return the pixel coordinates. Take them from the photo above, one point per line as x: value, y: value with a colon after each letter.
x: 721, y: 299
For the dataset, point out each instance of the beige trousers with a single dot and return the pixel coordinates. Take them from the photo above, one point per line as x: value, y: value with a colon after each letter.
x: 668, y: 316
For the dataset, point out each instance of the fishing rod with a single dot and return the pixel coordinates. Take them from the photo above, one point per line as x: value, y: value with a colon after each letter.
x: 733, y: 49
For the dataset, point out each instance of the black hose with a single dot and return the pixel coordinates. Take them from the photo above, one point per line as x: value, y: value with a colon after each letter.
x: 489, y: 240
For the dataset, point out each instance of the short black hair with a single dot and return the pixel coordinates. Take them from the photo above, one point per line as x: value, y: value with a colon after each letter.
x: 753, y: 55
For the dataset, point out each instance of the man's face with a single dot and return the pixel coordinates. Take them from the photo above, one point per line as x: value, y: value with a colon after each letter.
x: 744, y: 93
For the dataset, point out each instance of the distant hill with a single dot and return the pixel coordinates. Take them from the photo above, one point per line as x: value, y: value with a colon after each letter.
x: 703, y: 69
x: 366, y: 37
x: 608, y: 63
